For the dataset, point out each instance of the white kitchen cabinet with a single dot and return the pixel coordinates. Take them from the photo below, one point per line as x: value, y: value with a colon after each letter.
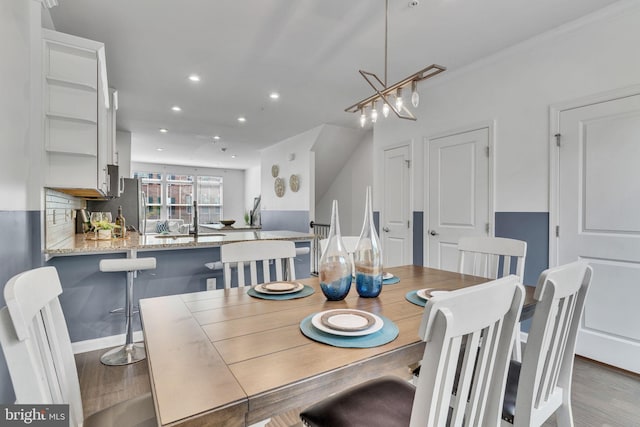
x: 78, y: 139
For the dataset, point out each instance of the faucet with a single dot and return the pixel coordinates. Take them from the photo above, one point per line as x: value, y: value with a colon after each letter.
x: 195, y: 219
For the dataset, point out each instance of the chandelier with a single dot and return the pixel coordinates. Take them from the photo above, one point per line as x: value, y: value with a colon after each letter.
x: 391, y: 97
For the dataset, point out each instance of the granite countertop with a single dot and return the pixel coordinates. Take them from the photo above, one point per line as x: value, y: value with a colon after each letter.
x: 79, y: 244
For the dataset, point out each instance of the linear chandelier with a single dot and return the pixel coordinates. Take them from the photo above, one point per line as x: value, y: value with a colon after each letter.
x: 385, y: 94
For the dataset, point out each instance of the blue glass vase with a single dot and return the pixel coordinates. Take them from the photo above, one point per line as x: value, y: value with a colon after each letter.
x: 368, y: 255
x: 335, y: 266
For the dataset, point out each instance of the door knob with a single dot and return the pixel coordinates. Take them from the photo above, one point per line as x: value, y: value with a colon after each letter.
x: 386, y: 229
x: 433, y: 233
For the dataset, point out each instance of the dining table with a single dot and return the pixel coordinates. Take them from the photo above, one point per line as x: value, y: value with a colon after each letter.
x: 226, y: 358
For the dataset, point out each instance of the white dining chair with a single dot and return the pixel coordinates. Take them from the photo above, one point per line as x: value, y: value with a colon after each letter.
x: 350, y: 243
x: 37, y: 349
x: 235, y: 256
x: 478, y: 320
x: 482, y: 256
x: 541, y: 385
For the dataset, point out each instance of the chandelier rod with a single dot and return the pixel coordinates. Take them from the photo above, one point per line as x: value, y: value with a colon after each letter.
x: 386, y: 30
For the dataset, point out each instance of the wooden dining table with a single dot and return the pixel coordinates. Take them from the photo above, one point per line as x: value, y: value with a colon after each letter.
x: 225, y: 358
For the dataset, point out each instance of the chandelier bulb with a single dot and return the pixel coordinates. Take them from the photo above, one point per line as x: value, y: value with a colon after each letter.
x: 415, y: 96
x: 385, y: 110
x: 363, y: 118
x: 399, y: 99
x: 374, y: 112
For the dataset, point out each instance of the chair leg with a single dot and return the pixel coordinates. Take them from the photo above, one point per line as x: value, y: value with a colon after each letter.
x: 564, y: 414
x: 130, y: 352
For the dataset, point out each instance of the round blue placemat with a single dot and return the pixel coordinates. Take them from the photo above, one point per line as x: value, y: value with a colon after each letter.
x: 388, y: 333
x: 391, y: 281
x: 305, y: 292
x: 412, y: 297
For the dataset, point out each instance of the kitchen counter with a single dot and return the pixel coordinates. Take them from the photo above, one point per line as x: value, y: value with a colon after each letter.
x: 81, y: 245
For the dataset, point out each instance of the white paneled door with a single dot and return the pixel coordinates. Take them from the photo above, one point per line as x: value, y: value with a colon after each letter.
x: 599, y: 219
x: 395, y: 220
x: 458, y: 183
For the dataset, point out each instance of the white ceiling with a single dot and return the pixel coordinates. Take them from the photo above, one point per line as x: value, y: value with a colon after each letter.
x: 309, y: 51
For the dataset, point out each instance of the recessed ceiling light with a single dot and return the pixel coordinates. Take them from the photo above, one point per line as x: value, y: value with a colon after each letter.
x: 274, y: 95
x: 242, y: 119
x: 194, y: 77
x: 216, y: 137
x: 159, y: 149
x: 176, y: 108
x: 163, y: 130
x: 233, y: 156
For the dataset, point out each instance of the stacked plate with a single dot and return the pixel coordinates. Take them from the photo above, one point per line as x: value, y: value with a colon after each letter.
x: 347, y: 322
x: 279, y: 288
x: 427, y: 293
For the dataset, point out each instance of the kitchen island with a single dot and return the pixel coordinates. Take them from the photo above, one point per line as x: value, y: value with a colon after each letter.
x: 89, y: 295
x: 81, y: 244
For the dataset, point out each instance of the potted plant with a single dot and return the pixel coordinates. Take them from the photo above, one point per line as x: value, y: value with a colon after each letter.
x: 247, y: 218
x: 104, y: 229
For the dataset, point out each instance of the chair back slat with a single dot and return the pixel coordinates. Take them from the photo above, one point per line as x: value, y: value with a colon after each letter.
x: 252, y: 253
x: 36, y: 343
x: 547, y: 363
x: 483, y: 319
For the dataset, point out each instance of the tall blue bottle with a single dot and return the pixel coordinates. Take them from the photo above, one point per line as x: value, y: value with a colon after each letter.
x: 335, y: 266
x: 368, y: 256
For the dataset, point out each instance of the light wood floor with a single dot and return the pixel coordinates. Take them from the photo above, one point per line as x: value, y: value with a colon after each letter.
x: 602, y: 396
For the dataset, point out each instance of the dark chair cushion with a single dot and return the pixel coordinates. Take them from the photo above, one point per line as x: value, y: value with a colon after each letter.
x: 509, y: 404
x: 383, y: 402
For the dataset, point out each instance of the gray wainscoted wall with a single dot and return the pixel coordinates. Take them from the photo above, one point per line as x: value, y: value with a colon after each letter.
x: 533, y: 228
x: 19, y: 251
x: 88, y: 294
x: 418, y: 237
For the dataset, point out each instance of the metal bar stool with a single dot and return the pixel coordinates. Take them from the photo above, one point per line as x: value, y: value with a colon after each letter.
x: 129, y: 352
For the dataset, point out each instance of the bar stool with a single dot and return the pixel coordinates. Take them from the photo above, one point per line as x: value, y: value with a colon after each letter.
x: 129, y: 352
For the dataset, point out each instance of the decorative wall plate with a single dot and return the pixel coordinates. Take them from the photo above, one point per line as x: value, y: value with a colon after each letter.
x: 294, y: 183
x: 279, y: 186
x: 275, y: 170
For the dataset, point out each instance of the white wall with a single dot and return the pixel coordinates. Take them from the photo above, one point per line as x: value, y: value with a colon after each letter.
x: 233, y: 184
x: 278, y: 154
x: 349, y: 188
x: 252, y: 186
x: 516, y: 88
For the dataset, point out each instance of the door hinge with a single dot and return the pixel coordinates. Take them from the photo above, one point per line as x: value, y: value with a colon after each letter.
x: 486, y: 150
x: 558, y: 136
x: 408, y: 164
x: 487, y: 227
x: 408, y: 223
x: 557, y: 231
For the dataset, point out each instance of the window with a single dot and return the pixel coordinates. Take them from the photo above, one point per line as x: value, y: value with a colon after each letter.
x: 170, y: 196
x: 210, y: 199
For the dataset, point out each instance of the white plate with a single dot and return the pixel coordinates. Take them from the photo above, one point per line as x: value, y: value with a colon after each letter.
x: 261, y: 289
x: 427, y: 293
x: 387, y: 276
x: 347, y: 320
x: 317, y: 323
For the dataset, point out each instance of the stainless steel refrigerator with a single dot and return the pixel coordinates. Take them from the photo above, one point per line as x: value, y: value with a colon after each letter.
x: 132, y: 201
